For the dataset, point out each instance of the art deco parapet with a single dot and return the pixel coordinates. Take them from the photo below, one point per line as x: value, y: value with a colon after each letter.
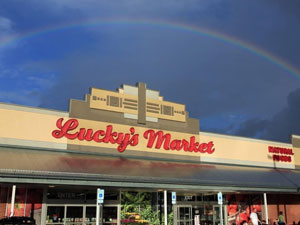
x: 134, y: 105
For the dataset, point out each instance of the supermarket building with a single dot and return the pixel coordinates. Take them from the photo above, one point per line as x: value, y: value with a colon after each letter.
x: 132, y: 140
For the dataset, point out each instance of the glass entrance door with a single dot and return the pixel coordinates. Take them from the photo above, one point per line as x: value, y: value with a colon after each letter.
x: 184, y: 215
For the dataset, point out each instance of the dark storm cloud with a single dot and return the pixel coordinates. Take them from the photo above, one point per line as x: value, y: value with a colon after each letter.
x: 210, y: 77
x: 280, y: 127
x: 272, y: 25
x: 252, y: 127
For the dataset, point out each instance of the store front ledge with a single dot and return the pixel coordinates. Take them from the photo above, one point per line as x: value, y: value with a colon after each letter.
x: 146, y: 185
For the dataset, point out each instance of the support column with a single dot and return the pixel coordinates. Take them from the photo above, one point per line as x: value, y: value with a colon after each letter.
x: 266, y: 209
x: 221, y: 214
x: 25, y: 203
x: 98, y: 214
x: 44, y: 206
x: 12, y: 203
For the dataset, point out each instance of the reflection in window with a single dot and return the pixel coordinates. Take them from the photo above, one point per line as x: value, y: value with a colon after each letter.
x: 74, y: 215
x: 55, y: 214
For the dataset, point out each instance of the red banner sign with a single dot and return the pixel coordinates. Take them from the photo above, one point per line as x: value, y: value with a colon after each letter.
x: 281, y: 154
x: 158, y: 139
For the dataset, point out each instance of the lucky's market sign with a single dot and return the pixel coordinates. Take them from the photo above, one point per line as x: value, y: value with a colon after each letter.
x: 71, y: 129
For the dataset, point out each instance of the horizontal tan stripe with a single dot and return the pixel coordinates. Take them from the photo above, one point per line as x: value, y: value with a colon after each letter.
x: 130, y: 100
x: 28, y: 143
x: 248, y: 163
x: 130, y: 104
x: 152, y: 111
x: 127, y: 107
x: 155, y: 108
x: 149, y: 103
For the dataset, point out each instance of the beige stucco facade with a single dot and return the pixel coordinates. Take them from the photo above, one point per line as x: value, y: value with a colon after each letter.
x: 33, y: 127
x: 244, y: 151
x: 296, y: 149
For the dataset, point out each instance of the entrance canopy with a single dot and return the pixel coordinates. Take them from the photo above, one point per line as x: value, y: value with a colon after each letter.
x: 62, y: 167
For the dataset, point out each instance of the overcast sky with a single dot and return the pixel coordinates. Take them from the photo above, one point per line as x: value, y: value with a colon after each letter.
x: 54, y: 50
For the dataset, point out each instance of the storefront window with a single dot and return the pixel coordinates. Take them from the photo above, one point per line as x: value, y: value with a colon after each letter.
x: 74, y: 215
x: 240, y: 207
x: 185, y: 213
x: 110, y: 215
x: 90, y: 215
x: 144, y: 208
x: 210, y: 198
x: 34, y: 204
x: 55, y: 215
x: 199, y: 198
x: 28, y: 202
x: 78, y: 206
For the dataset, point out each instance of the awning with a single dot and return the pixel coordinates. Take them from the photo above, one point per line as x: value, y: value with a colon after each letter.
x: 49, y: 167
x: 293, y: 176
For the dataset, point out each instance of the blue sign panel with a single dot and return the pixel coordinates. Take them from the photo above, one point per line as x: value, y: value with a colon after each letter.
x: 173, y: 198
x: 100, y: 196
x: 220, y: 198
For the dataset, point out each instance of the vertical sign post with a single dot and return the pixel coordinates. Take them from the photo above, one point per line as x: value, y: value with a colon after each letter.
x: 100, y: 199
x: 173, y: 203
x: 165, y: 207
x: 220, y: 202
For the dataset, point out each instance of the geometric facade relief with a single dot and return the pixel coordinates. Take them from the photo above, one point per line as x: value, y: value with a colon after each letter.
x: 132, y: 99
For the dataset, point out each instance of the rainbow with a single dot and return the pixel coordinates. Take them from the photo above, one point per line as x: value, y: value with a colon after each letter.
x: 230, y: 40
